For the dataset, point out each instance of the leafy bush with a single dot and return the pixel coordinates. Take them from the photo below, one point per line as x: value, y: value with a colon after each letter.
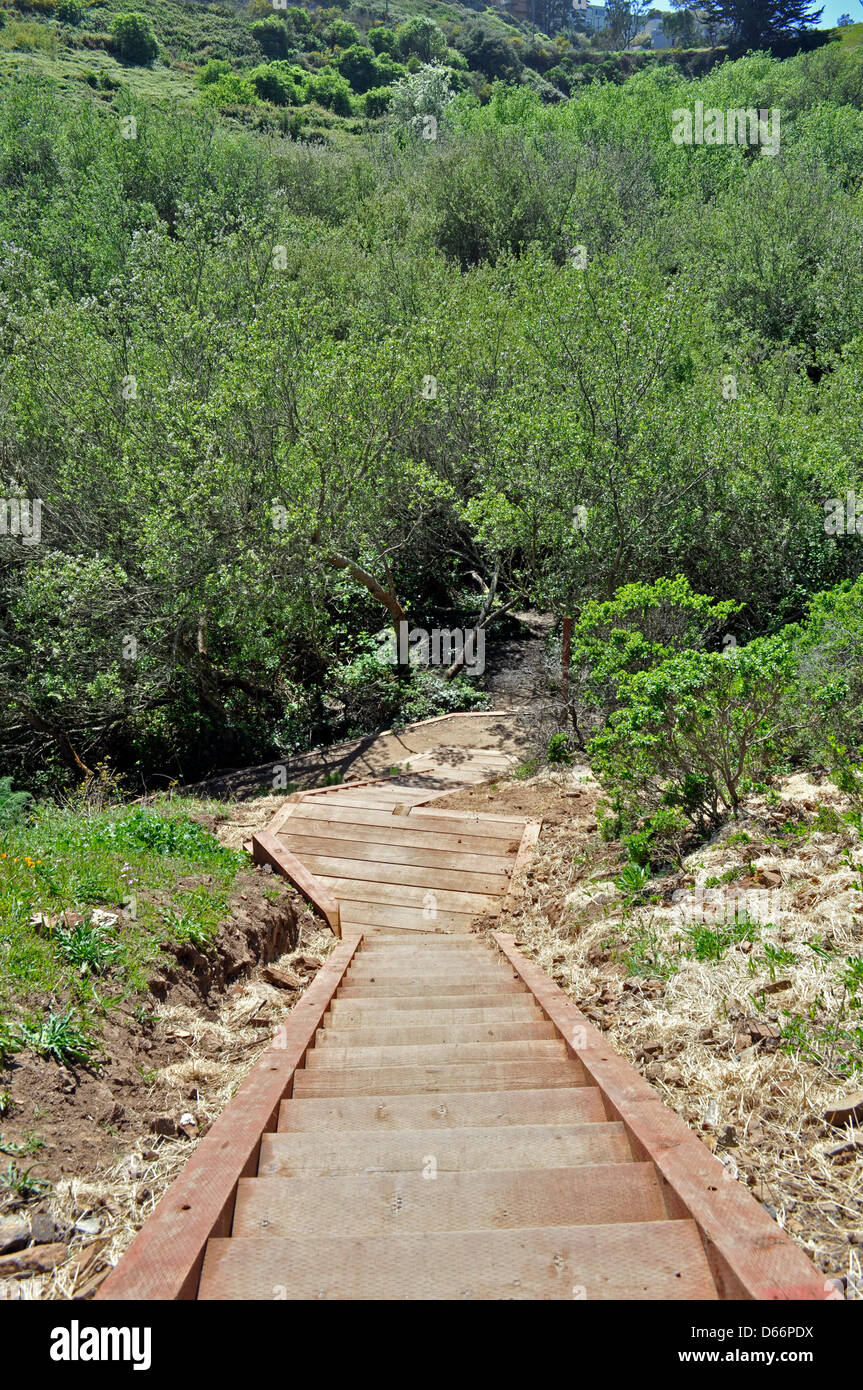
x: 13, y: 805
x: 281, y: 83
x: 558, y: 750
x: 328, y: 88
x: 420, y: 37
x: 133, y: 39
x: 693, y: 730
x: 231, y: 89
x: 358, y: 65
x: 273, y: 36
x: 69, y: 12
x: 378, y: 101
x: 341, y: 34
x: 382, y: 40
x: 213, y: 69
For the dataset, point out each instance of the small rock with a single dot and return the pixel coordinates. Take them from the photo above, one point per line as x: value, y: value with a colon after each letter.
x: 673, y: 1075
x: 846, y: 1110
x: 38, y: 1259
x: 88, y: 1226
x: 165, y: 1125
x: 100, y: 918
x: 14, y: 1235
x: 281, y: 978
x: 44, y: 1229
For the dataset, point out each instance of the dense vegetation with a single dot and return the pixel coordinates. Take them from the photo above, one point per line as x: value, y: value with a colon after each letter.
x: 274, y: 396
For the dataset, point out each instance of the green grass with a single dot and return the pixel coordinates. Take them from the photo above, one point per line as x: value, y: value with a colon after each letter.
x: 852, y: 37
x: 159, y: 879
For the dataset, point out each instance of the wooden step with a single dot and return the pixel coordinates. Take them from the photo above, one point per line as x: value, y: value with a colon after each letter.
x: 439, y: 832
x: 479, y: 977
x: 433, y: 1054
x: 394, y: 896
x: 433, y: 943
x: 395, y: 1036
x: 323, y: 1154
x: 509, y: 1004
x: 379, y: 914
x: 447, y: 1110
x: 457, y: 882
x: 372, y: 1204
x: 348, y: 1020
x: 401, y: 850
x: 432, y: 989
x: 464, y: 1076
x: 661, y: 1260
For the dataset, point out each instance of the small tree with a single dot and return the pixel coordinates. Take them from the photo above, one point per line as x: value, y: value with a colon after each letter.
x: 134, y: 40
x: 752, y: 24
x: 424, y: 93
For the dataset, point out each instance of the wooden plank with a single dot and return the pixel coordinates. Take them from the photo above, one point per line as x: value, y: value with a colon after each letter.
x: 165, y: 1258
x: 368, y: 800
x: 660, y: 1260
x: 399, y: 836
x: 404, y: 896
x: 450, y: 823
x: 477, y: 1076
x: 266, y: 849
x: 374, y: 1204
x: 515, y: 823
x: 525, y: 854
x: 325, y: 1154
x: 335, y: 1059
x: 411, y: 875
x: 389, y: 916
x: 446, y: 1110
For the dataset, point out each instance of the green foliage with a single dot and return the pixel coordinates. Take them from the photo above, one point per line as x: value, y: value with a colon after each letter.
x: 695, y: 728
x: 60, y: 1036
x: 558, y: 750
x: 134, y: 40
x: 273, y: 36
x: 377, y: 101
x: 328, y: 88
x: 420, y: 37
x: 13, y: 805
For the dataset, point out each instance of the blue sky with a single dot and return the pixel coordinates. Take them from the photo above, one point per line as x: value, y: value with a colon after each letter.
x: 832, y: 10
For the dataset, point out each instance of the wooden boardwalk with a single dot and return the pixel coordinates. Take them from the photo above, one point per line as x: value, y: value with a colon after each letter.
x: 437, y: 1120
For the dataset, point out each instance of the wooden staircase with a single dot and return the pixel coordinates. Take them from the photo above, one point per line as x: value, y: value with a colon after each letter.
x: 436, y: 1119
x: 440, y: 1143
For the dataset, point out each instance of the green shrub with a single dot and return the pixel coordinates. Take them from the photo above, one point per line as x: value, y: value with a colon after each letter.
x: 69, y: 12
x: 328, y: 88
x: 558, y: 750
x: 382, y: 40
x: 213, y: 69
x: 231, y: 89
x: 133, y: 39
x: 420, y: 37
x: 29, y: 36
x: 692, y: 731
x: 273, y: 36
x: 377, y: 101
x: 281, y: 83
x: 13, y: 805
